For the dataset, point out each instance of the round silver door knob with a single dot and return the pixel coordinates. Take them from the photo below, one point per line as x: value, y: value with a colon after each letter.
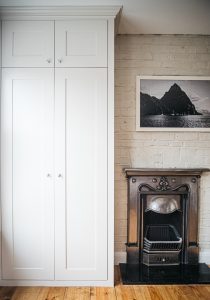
x: 60, y: 60
x: 59, y: 175
x: 49, y: 60
x: 48, y: 175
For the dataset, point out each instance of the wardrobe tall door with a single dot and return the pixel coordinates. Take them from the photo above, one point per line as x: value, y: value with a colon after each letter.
x: 81, y: 170
x: 26, y: 174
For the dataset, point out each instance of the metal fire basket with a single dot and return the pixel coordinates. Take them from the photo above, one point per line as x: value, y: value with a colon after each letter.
x: 162, y: 237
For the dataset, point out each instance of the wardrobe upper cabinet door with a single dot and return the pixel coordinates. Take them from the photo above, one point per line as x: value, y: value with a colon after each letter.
x: 28, y: 44
x: 81, y: 174
x: 81, y: 43
x: 26, y: 173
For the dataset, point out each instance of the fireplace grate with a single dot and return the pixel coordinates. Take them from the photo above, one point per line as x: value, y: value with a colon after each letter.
x: 162, y: 237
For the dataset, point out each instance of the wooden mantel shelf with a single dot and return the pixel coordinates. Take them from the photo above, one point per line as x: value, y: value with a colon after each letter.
x: 164, y: 172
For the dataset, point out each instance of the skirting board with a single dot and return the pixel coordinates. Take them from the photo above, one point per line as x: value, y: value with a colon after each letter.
x: 120, y: 257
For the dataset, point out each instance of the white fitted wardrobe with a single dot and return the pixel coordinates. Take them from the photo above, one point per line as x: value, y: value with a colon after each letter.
x: 57, y: 146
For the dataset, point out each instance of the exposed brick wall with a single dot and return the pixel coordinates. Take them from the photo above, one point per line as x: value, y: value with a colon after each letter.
x: 157, y: 55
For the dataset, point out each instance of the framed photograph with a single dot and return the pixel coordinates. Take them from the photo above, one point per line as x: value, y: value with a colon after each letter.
x: 172, y: 103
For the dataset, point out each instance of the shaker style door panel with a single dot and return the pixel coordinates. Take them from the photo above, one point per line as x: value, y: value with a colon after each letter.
x: 81, y: 174
x: 28, y: 44
x: 26, y: 174
x: 81, y: 43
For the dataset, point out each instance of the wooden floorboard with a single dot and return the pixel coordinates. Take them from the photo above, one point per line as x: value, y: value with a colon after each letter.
x: 80, y: 293
x: 119, y: 292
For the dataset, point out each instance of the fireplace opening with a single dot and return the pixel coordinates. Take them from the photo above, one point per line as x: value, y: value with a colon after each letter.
x: 162, y: 215
x: 163, y: 230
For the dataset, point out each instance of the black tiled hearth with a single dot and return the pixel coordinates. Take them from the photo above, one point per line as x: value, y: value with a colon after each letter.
x: 182, y: 274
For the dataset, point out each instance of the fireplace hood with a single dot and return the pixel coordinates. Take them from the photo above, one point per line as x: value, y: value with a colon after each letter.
x: 163, y: 204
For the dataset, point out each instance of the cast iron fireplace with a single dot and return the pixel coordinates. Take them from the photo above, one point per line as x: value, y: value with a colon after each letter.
x: 162, y: 222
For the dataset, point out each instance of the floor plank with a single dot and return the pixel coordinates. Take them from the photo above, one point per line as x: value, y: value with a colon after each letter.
x: 56, y: 293
x: 125, y: 292
x: 208, y: 289
x: 175, y: 292
x: 142, y: 292
x: 102, y: 293
x: 26, y: 293
x: 154, y: 292
x: 77, y: 293
x: 200, y: 292
x: 43, y: 293
x: 189, y: 293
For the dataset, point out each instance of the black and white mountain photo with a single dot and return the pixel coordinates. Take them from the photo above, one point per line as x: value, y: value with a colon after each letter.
x: 174, y: 103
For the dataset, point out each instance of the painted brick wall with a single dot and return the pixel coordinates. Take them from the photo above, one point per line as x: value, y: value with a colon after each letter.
x: 157, y: 55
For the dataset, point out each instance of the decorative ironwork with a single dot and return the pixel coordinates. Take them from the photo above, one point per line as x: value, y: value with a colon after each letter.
x: 145, y: 188
x: 163, y: 184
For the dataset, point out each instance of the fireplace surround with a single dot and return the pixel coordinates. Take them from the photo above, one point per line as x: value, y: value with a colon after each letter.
x: 162, y: 231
